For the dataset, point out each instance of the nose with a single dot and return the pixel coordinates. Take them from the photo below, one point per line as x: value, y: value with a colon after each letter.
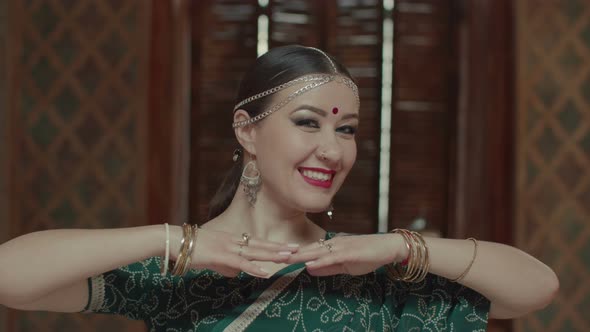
x: 329, y: 150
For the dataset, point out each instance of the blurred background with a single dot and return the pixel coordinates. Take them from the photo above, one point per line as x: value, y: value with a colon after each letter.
x: 475, y: 121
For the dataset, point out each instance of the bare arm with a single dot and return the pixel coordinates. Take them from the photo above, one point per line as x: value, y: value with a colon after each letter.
x: 514, y: 282
x: 48, y: 270
x: 37, y: 265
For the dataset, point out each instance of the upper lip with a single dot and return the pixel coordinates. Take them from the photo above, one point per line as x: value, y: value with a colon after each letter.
x: 320, y: 170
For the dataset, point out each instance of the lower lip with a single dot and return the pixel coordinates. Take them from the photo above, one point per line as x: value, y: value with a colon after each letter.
x: 317, y: 183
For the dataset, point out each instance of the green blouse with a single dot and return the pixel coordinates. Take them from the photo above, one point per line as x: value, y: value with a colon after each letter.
x: 291, y: 300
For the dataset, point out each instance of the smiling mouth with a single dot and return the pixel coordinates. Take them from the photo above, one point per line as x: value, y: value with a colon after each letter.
x: 317, y: 177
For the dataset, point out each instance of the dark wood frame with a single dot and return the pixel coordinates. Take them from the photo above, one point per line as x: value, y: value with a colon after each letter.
x: 168, y: 110
x: 159, y: 169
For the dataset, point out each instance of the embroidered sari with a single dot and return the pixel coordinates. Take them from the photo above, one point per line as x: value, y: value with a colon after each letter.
x: 291, y: 300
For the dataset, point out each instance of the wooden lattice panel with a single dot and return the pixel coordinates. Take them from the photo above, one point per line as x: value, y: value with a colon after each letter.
x: 553, y: 153
x: 78, y: 126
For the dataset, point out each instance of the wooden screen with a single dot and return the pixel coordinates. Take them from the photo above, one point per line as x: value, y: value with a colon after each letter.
x: 223, y: 47
x: 353, y: 36
x: 422, y: 114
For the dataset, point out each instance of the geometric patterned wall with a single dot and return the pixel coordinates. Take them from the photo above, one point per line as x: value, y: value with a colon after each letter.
x: 78, y: 126
x: 553, y: 153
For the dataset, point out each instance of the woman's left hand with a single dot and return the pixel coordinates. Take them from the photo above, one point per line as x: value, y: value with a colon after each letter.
x: 354, y: 255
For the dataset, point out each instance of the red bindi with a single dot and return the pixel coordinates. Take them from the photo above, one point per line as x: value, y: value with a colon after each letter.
x: 335, y: 110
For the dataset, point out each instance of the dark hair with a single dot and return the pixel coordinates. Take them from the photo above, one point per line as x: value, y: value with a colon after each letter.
x: 275, y: 67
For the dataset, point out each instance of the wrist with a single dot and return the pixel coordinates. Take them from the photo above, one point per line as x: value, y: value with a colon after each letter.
x: 400, y: 248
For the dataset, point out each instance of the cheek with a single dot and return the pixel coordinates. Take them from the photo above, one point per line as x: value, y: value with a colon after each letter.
x: 350, y: 155
x: 285, y: 145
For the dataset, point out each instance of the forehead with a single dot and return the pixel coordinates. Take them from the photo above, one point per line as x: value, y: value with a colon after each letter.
x: 326, y: 97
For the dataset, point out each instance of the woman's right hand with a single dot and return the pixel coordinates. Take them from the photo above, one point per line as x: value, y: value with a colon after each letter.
x: 220, y: 251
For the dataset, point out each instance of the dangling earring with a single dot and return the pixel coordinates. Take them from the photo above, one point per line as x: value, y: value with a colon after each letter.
x: 252, y: 182
x: 237, y: 155
x: 330, y: 211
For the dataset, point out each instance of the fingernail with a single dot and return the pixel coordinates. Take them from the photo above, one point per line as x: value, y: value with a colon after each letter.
x: 293, y: 245
x: 309, y: 263
x: 285, y: 253
x: 264, y: 271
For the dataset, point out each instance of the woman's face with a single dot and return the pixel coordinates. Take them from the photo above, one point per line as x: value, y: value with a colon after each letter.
x: 305, y: 150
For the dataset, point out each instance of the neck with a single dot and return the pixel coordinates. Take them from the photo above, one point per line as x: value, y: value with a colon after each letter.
x: 268, y: 220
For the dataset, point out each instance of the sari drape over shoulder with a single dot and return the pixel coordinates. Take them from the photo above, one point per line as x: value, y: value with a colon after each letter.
x: 291, y: 300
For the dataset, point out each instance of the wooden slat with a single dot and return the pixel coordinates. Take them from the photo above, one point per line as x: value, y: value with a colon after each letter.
x: 354, y: 36
x: 295, y: 22
x: 421, y: 115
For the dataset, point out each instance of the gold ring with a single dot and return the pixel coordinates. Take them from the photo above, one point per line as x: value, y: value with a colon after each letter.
x: 245, y: 239
x: 324, y: 244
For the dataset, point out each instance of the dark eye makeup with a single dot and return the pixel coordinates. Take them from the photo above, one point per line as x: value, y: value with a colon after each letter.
x: 315, y: 124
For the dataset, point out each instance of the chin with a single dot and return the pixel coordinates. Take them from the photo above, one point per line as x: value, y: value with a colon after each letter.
x: 316, y: 210
x: 311, y: 205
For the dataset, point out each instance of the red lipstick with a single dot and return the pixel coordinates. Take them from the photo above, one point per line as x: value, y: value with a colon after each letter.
x: 316, y: 182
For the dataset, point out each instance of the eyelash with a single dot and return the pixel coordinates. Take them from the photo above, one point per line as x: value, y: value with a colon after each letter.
x: 310, y: 123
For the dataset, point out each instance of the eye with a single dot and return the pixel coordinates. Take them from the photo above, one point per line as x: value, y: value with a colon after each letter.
x: 310, y: 123
x: 348, y: 130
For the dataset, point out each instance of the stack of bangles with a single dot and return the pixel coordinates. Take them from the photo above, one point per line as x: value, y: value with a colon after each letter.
x: 415, y: 267
x: 187, y: 244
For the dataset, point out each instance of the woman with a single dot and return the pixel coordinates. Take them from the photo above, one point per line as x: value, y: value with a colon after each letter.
x: 259, y: 263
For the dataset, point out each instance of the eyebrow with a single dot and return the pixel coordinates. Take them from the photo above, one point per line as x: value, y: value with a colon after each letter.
x: 324, y: 113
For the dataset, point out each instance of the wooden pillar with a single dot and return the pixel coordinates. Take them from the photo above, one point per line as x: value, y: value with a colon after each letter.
x: 482, y: 170
x: 169, y: 110
x: 484, y: 132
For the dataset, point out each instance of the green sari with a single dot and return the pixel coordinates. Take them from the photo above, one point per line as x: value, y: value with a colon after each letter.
x: 291, y: 300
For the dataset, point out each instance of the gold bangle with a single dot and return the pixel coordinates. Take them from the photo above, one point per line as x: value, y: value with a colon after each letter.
x: 418, y: 262
x: 395, y: 270
x: 174, y: 268
x: 189, y: 253
x: 425, y: 262
x: 418, y: 259
x: 184, y: 246
x: 459, y: 278
x: 414, y: 262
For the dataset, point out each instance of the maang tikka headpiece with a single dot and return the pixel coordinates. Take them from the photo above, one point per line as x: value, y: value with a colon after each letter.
x: 314, y: 80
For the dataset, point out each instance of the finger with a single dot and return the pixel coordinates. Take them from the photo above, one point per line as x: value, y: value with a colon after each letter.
x: 326, y: 270
x: 325, y: 261
x: 311, y: 255
x: 253, y: 269
x: 263, y: 255
x: 314, y: 246
x: 227, y: 272
x: 271, y: 245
